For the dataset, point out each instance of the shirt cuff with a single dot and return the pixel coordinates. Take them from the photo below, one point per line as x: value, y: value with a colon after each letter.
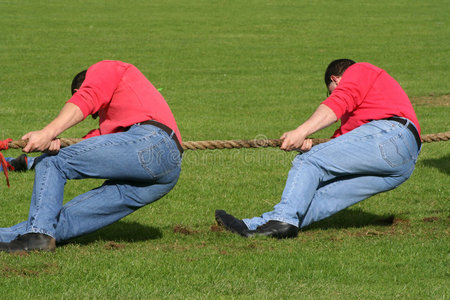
x: 338, y: 111
x: 78, y: 101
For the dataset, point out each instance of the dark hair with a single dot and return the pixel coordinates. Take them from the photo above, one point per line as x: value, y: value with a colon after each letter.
x: 337, y: 68
x: 78, y: 81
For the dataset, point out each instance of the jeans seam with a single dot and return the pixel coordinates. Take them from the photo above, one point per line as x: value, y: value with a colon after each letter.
x: 39, y: 200
x: 72, y: 203
x: 289, y: 193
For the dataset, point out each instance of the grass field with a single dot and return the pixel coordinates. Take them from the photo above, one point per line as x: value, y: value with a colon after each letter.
x: 232, y: 70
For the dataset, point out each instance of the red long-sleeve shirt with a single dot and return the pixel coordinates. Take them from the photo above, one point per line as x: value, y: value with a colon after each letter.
x: 122, y: 96
x: 367, y: 93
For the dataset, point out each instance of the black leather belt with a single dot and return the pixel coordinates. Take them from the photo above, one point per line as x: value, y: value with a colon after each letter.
x: 410, y: 127
x: 167, y: 130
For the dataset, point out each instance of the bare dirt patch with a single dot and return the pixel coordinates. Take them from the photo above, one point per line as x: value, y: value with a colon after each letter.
x: 431, y: 100
x: 430, y: 219
x: 184, y: 230
x: 114, y: 246
x: 216, y: 228
x: 398, y: 221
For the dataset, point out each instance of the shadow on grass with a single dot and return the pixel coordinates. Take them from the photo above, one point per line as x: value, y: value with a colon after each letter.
x: 120, y: 231
x: 442, y: 164
x: 352, y: 218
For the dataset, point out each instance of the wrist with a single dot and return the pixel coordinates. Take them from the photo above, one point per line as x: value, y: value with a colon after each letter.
x: 303, y: 131
x: 50, y: 132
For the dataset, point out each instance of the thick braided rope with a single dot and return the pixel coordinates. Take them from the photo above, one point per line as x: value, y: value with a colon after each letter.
x: 19, y: 144
x: 237, y: 144
x: 436, y: 137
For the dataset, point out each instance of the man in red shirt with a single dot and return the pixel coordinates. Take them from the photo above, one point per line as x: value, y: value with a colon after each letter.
x: 374, y: 150
x: 137, y: 149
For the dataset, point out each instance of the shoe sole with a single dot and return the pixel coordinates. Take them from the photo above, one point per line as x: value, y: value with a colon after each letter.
x: 44, y: 247
x: 221, y: 223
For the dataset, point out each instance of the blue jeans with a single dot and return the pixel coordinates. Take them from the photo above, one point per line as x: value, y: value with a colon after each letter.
x: 141, y: 165
x: 373, y: 158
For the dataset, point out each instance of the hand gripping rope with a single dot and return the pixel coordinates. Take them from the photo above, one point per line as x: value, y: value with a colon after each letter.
x: 206, y: 145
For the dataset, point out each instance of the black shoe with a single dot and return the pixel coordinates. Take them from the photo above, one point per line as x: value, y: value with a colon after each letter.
x: 20, y: 163
x: 277, y: 229
x: 30, y: 242
x: 232, y: 224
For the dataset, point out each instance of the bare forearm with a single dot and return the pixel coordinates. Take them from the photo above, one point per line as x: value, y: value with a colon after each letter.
x: 69, y: 116
x: 44, y: 139
x: 296, y: 139
x: 321, y: 118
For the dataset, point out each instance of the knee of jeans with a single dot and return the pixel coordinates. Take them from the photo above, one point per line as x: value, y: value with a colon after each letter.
x: 302, y: 159
x: 153, y: 192
x: 48, y: 161
x: 297, y: 160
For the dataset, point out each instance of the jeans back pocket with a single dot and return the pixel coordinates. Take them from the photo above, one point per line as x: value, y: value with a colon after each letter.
x: 396, y: 151
x: 160, y: 158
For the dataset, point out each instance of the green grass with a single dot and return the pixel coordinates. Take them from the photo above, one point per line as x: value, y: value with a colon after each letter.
x: 232, y: 70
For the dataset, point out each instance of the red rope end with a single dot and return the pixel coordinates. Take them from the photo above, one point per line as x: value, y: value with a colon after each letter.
x: 5, y: 167
x: 4, y: 144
